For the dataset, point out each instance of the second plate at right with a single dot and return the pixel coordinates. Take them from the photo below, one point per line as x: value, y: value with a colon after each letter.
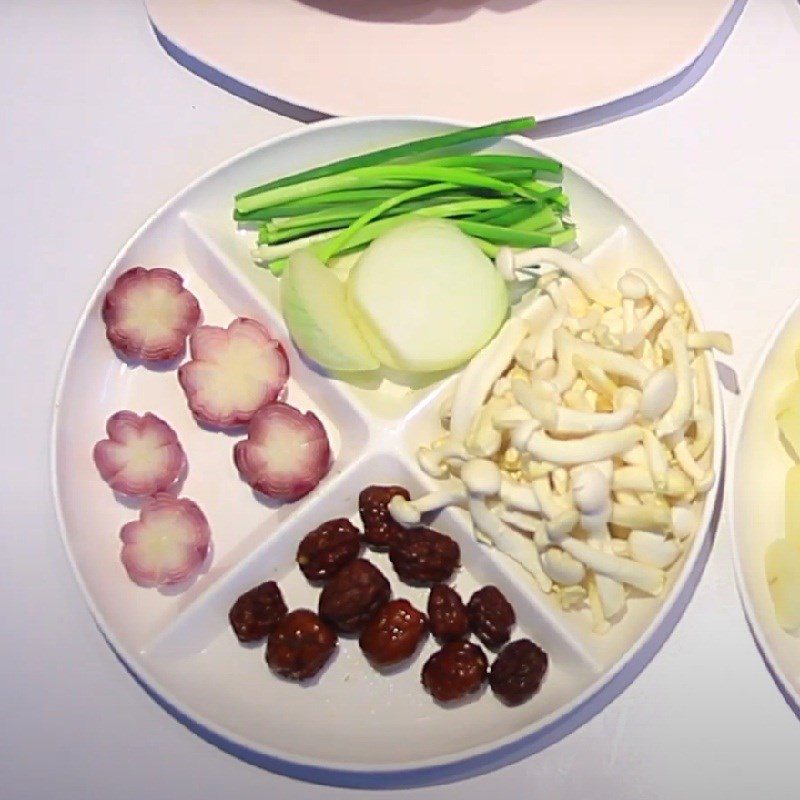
x: 758, y: 491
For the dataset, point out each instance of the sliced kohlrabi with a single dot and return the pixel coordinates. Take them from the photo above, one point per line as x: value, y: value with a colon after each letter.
x: 314, y: 305
x: 425, y: 297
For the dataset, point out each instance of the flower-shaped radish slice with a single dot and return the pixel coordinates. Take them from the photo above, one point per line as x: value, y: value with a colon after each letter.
x: 286, y: 453
x: 233, y: 372
x: 167, y: 544
x: 141, y: 456
x: 148, y: 314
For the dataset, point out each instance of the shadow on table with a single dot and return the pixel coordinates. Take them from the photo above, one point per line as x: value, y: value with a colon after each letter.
x: 625, y: 107
x: 478, y: 765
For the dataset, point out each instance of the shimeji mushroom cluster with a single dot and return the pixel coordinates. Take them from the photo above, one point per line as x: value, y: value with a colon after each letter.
x: 580, y: 438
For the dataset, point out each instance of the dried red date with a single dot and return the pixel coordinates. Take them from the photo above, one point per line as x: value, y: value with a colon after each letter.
x: 446, y: 614
x: 300, y: 645
x: 257, y: 612
x: 491, y: 616
x: 393, y: 634
x: 424, y: 556
x: 380, y: 530
x: 353, y: 595
x: 518, y: 672
x: 453, y: 672
x: 325, y: 550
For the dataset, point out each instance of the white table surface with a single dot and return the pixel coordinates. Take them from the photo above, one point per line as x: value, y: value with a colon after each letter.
x: 99, y: 127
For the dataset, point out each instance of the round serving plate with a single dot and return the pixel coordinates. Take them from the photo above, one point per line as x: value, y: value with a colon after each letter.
x: 351, y: 722
x: 760, y: 464
x: 472, y: 59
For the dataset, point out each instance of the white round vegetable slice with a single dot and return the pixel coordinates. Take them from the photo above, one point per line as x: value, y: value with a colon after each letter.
x: 426, y: 297
x: 314, y: 306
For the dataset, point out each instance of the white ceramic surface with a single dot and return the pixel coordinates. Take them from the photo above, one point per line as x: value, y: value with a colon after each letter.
x: 757, y: 489
x: 475, y: 60
x: 180, y: 645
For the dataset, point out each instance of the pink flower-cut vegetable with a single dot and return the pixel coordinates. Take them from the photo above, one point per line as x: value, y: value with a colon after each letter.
x: 142, y: 455
x: 167, y: 544
x: 233, y: 372
x: 148, y: 314
x: 286, y: 453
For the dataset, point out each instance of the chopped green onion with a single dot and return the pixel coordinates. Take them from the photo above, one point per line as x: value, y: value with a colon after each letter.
x: 374, y: 176
x: 485, y: 161
x: 413, y: 148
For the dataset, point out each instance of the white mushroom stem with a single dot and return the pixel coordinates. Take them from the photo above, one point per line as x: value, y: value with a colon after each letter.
x: 651, y: 548
x: 646, y: 355
x: 510, y: 417
x: 525, y: 354
x: 589, y: 320
x: 408, y: 513
x: 522, y: 432
x: 646, y: 578
x: 549, y: 504
x: 707, y: 340
x: 501, y: 386
x: 504, y: 262
x: 484, y: 439
x: 591, y: 494
x: 595, y: 447
x: 433, y: 460
x: 629, y: 318
x: 539, y: 315
x: 532, y: 401
x: 595, y: 377
x: 632, y: 338
x: 677, y: 418
x: 525, y: 522
x: 575, y: 299
x: 585, y: 275
x: 704, y: 432
x: 599, y: 623
x: 640, y: 479
x: 627, y: 498
x: 480, y: 374
x: 545, y: 344
x: 545, y: 370
x: 648, y: 517
x: 703, y: 478
x: 514, y: 544
x: 519, y: 496
x: 655, y: 292
x: 657, y: 460
x: 620, y: 364
x: 579, y: 400
x: 562, y: 568
x: 562, y: 524
x: 574, y: 421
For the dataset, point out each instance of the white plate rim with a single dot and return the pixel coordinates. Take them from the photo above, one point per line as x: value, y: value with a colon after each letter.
x: 535, y: 729
x: 767, y: 653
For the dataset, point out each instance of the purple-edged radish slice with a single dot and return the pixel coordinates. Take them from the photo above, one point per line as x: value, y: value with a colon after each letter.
x: 286, y: 453
x: 233, y: 372
x: 142, y: 455
x: 148, y: 314
x: 167, y: 544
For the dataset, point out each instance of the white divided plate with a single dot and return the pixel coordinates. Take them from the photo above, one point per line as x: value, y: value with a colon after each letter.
x: 758, y: 476
x: 472, y: 60
x: 352, y: 721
